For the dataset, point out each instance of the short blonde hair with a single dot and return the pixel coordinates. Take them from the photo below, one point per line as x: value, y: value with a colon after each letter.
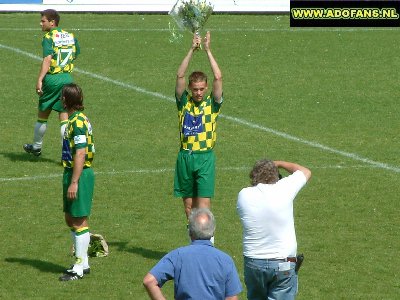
x: 197, y: 76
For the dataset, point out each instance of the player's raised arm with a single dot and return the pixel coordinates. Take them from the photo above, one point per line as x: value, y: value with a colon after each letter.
x: 217, y: 83
x: 180, y: 75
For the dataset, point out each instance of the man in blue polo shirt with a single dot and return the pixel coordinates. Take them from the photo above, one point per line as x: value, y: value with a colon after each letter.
x: 199, y: 270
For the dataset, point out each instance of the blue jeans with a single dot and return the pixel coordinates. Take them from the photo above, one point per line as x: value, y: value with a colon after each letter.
x: 265, y: 281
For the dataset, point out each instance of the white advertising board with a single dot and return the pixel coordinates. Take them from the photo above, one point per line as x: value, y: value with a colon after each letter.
x: 155, y: 6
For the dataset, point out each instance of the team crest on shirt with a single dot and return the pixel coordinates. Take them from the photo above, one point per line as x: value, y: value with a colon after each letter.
x: 192, y: 125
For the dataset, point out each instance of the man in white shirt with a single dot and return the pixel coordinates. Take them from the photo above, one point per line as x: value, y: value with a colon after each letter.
x: 269, y: 238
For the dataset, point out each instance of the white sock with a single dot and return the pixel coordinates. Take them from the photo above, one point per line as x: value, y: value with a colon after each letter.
x: 39, y: 131
x: 81, y: 248
x: 86, y: 262
x: 73, y: 239
x: 85, y: 258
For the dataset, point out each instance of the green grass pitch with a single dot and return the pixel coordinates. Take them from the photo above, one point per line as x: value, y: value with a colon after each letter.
x: 326, y: 98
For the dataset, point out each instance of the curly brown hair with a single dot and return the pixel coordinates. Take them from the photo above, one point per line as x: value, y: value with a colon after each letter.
x: 264, y: 171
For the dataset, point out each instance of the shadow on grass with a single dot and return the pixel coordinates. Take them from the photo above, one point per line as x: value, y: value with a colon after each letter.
x: 147, y: 253
x: 28, y: 157
x: 41, y: 265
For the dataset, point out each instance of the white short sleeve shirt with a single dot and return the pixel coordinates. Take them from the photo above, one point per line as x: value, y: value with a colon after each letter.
x: 266, y: 213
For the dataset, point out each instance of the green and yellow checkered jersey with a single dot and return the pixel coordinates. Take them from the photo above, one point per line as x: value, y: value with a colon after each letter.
x: 78, y: 134
x: 63, y: 48
x: 209, y: 109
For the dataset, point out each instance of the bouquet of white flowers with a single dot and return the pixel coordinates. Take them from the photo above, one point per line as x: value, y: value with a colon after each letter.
x: 191, y: 14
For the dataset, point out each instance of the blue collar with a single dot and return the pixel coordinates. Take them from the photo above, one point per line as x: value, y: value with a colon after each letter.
x: 202, y: 242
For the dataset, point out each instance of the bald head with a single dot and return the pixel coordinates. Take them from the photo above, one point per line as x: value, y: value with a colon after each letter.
x: 201, y: 224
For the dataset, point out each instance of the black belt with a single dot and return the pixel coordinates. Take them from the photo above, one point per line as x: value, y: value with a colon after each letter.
x: 290, y: 259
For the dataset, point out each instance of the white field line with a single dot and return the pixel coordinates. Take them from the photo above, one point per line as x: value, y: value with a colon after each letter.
x: 161, y: 171
x: 286, y: 29
x: 352, y: 156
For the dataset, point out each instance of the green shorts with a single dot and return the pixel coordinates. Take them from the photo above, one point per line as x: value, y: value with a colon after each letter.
x: 52, y: 88
x: 195, y: 174
x: 81, y: 206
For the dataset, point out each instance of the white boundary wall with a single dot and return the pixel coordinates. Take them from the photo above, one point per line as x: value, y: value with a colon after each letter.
x: 150, y: 6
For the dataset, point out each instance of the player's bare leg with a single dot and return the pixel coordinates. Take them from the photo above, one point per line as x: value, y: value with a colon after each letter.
x: 187, y: 204
x: 197, y: 202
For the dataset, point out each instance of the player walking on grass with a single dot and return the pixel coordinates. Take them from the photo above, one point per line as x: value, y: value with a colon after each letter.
x: 60, y: 49
x: 198, y: 113
x: 78, y: 179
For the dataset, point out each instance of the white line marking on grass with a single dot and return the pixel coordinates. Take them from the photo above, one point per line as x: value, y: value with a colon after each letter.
x: 96, y: 76
x: 108, y: 173
x: 164, y: 170
x: 139, y: 171
x: 16, y: 50
x: 233, y: 119
x: 29, y: 178
x: 125, y: 85
x: 315, y: 145
x: 288, y: 29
